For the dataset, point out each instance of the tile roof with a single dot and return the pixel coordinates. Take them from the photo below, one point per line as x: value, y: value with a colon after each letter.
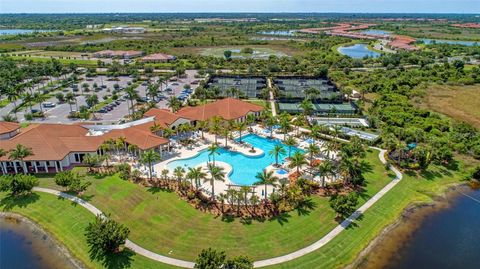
x: 158, y: 57
x: 164, y: 117
x: 228, y: 109
x: 7, y: 127
x: 55, y: 141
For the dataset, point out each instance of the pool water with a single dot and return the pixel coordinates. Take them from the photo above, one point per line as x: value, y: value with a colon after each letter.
x: 244, y: 167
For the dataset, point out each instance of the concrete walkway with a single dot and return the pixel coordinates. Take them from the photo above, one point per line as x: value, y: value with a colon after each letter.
x: 342, y: 226
x: 129, y: 244
x: 277, y: 260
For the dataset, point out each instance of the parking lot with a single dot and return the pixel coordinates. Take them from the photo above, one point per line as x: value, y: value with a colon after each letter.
x: 105, y: 87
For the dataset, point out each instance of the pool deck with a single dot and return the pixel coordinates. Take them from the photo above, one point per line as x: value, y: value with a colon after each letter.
x: 221, y: 187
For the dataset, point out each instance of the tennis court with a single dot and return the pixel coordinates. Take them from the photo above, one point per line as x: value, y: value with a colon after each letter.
x: 298, y: 88
x: 251, y: 87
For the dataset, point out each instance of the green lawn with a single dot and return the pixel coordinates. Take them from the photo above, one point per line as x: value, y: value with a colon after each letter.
x: 163, y: 223
x: 413, y: 189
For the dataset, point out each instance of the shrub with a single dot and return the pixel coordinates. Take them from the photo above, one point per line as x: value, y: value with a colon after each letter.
x: 344, y: 205
x: 18, y: 184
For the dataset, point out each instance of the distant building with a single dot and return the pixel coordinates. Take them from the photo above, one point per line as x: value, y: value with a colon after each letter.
x: 119, y: 54
x: 125, y: 30
x: 158, y: 58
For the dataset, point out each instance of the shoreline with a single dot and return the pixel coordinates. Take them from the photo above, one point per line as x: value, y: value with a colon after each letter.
x: 47, y: 237
x: 416, y: 213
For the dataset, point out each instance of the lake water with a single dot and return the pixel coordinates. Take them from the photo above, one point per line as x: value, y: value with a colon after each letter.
x: 279, y: 33
x: 452, y: 42
x: 358, y: 51
x: 444, y: 236
x: 375, y: 32
x: 19, y: 31
x: 21, y: 247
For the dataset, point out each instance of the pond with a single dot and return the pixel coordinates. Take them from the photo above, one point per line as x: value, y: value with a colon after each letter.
x: 22, y: 246
x: 375, y: 32
x: 443, y: 236
x: 358, y: 51
x: 279, y: 32
x: 451, y: 42
x: 20, y: 31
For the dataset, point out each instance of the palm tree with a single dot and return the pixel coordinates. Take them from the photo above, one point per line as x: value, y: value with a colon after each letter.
x: 216, y: 173
x: 212, y: 151
x: 91, y: 160
x: 329, y: 147
x: 307, y: 107
x: 178, y: 172
x: 254, y: 199
x: 70, y: 98
x: 132, y: 95
x: 297, y: 161
x: 284, y: 124
x: 196, y: 175
x: 174, y: 103
x: 269, y: 122
x: 276, y: 151
x: 314, y: 132
x: 148, y: 158
x: 250, y: 120
x: 12, y: 96
x: 215, y: 126
x: 265, y: 178
x: 297, y: 122
x: 313, y: 150
x: 40, y: 98
x: 226, y: 134
x: 20, y: 152
x: 240, y: 127
x: 290, y: 142
x: 202, y: 125
x: 325, y: 168
x: 2, y: 154
x: 28, y: 99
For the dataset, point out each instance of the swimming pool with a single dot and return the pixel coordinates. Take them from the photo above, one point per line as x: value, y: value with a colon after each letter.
x: 244, y: 167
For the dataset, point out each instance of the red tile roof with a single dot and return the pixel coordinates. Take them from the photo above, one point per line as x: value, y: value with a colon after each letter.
x: 55, y: 141
x: 228, y: 109
x: 7, y: 127
x: 164, y: 117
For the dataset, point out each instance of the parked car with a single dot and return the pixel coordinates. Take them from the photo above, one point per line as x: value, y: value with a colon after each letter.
x: 102, y: 110
x: 48, y: 104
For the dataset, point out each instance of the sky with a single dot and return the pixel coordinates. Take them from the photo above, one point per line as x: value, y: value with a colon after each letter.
x: 360, y: 6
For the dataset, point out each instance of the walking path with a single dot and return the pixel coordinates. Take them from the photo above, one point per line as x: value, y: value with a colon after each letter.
x: 281, y: 259
x: 272, y: 99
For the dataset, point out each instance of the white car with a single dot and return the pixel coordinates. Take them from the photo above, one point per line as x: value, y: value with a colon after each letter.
x: 48, y: 104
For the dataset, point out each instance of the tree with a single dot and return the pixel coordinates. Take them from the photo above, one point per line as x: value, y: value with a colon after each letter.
x: 202, y: 125
x: 2, y: 154
x: 40, y: 98
x: 297, y: 161
x: 78, y: 184
x: 344, y: 205
x: 92, y: 100
x: 216, y: 174
x: 325, y: 168
x: 213, y: 150
x: 210, y: 259
x: 277, y: 151
x: 196, y: 175
x: 313, y: 150
x: 215, y: 126
x: 105, y: 236
x: 266, y: 178
x: 63, y: 179
x: 91, y: 160
x: 227, y: 54
x: 241, y: 127
x: 179, y: 172
x: 290, y: 142
x: 174, y: 103
x: 240, y: 262
x: 18, y: 184
x: 307, y: 107
x: 20, y: 152
x: 70, y: 99
x: 148, y: 158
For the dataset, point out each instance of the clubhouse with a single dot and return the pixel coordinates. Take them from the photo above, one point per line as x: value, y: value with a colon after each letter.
x: 57, y: 147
